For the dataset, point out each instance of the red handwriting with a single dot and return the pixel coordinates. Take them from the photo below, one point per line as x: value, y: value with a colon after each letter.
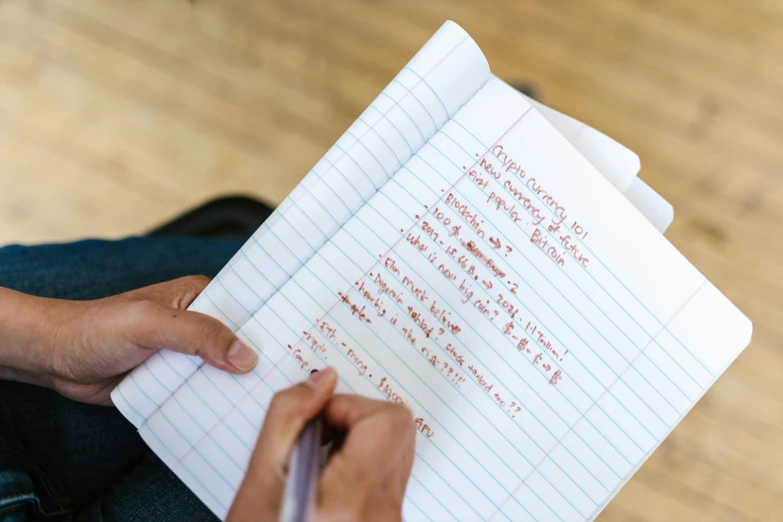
x: 420, y: 321
x: 487, y: 166
x: 429, y: 230
x: 388, y: 391
x: 314, y: 344
x: 473, y: 249
x: 471, y: 218
x: 573, y: 249
x: 465, y: 288
x: 478, y: 180
x: 329, y: 331
x: 579, y: 230
x: 451, y: 350
x: 511, y: 166
x: 463, y: 262
x: 443, y: 316
x: 416, y: 242
x: 297, y: 353
x: 543, y: 195
x: 423, y: 428
x: 444, y: 367
x: 523, y: 346
x: 513, y: 409
x: 498, y: 245
x: 417, y: 291
x: 540, y: 337
x: 409, y: 335
x: 527, y: 203
x: 507, y: 306
x: 384, y: 288
x: 484, y: 308
x: 391, y: 265
x: 354, y: 358
x: 448, y: 274
x: 551, y: 251
x: 355, y: 310
x: 500, y: 201
x: 548, y: 199
x: 376, y: 302
x: 482, y: 382
x: 534, y: 186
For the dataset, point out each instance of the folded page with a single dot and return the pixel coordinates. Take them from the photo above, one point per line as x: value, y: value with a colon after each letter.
x: 657, y: 210
x: 617, y: 163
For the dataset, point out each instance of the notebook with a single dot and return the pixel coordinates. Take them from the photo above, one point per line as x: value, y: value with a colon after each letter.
x: 490, y: 263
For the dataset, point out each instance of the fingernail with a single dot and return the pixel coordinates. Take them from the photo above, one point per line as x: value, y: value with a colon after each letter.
x: 319, y: 378
x: 241, y: 356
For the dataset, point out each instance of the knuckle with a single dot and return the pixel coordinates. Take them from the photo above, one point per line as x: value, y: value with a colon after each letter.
x: 186, y: 289
x: 194, y: 281
x: 210, y: 330
x: 141, y: 309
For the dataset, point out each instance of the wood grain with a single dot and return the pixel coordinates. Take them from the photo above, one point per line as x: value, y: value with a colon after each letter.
x: 117, y: 115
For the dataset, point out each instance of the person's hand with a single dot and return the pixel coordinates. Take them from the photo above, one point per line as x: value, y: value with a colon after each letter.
x: 82, y: 349
x: 365, y: 479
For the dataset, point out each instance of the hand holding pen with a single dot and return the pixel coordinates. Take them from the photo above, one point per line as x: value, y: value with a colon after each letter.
x: 365, y: 477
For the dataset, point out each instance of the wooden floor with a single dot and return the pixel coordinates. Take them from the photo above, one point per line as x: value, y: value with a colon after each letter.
x: 116, y: 115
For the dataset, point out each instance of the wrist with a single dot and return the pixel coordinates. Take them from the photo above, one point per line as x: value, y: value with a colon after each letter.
x: 30, y: 328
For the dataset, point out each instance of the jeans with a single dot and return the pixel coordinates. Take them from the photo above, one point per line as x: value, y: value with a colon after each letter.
x: 66, y: 461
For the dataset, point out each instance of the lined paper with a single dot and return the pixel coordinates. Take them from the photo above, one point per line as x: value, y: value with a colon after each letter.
x: 545, y: 335
x: 432, y: 87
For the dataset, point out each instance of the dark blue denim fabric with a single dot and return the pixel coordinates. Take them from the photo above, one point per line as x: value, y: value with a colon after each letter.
x: 66, y: 461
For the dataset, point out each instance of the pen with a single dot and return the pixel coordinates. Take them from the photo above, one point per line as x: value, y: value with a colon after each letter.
x: 300, y: 491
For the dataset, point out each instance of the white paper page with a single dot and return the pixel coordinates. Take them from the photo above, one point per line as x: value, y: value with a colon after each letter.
x: 657, y: 210
x: 619, y: 164
x: 540, y: 376
x: 432, y: 87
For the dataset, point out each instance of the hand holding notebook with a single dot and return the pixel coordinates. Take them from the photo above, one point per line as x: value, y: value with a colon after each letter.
x: 458, y: 252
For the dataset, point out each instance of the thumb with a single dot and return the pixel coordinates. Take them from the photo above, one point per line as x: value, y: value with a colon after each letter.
x: 155, y: 326
x: 288, y: 413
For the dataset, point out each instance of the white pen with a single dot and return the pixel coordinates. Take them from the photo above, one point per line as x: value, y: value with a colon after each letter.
x: 300, y: 491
